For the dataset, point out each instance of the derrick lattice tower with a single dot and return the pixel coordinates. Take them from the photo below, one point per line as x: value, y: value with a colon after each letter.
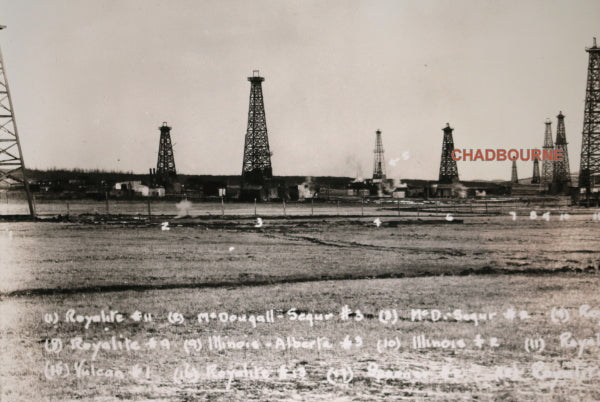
x: 561, y: 178
x: 165, y: 167
x: 379, y: 164
x: 12, y: 165
x: 590, y: 144
x: 535, y: 177
x: 514, y: 178
x: 448, y: 168
x: 547, y: 164
x: 256, y: 167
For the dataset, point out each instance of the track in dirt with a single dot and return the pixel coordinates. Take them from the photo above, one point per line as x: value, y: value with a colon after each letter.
x: 592, y: 271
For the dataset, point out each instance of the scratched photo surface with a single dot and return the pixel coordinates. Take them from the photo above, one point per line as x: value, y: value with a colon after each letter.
x: 168, y: 247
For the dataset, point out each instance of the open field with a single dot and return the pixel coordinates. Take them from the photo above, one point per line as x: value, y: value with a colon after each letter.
x: 486, y: 264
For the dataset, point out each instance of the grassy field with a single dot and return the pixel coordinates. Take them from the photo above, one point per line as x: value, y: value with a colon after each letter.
x: 313, y: 265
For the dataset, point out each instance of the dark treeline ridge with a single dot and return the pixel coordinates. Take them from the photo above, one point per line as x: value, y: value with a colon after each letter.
x: 86, y: 176
x: 98, y: 176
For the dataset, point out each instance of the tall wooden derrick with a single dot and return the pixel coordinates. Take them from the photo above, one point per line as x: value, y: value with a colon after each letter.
x: 379, y: 161
x: 448, y: 168
x: 166, y: 174
x: 12, y: 165
x: 547, y: 164
x: 535, y: 177
x: 561, y: 178
x: 256, y: 167
x: 589, y: 169
x: 514, y: 178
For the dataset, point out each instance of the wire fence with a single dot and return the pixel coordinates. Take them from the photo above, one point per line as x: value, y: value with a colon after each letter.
x: 389, y: 207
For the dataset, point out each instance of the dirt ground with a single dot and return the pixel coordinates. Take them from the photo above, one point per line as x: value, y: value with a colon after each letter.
x: 405, y: 284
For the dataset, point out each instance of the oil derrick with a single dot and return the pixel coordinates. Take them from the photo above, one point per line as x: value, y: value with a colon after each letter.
x: 152, y: 178
x: 256, y: 167
x: 448, y: 169
x: 547, y: 164
x: 561, y: 178
x: 514, y: 178
x: 590, y: 144
x: 379, y: 165
x: 535, y: 177
x: 12, y: 166
x: 165, y: 173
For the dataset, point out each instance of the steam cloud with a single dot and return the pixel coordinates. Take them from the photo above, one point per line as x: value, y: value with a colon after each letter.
x: 183, y: 208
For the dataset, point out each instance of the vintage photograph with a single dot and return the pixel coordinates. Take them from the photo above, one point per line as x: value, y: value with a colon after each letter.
x: 299, y: 200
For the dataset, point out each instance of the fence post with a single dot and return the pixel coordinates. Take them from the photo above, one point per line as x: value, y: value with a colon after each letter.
x: 34, y: 205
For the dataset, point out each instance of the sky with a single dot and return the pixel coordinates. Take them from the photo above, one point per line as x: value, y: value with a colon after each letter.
x: 92, y: 81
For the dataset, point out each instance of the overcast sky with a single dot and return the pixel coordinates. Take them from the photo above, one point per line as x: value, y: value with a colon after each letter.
x: 93, y: 80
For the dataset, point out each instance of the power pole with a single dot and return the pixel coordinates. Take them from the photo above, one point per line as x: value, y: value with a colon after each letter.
x: 12, y: 165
